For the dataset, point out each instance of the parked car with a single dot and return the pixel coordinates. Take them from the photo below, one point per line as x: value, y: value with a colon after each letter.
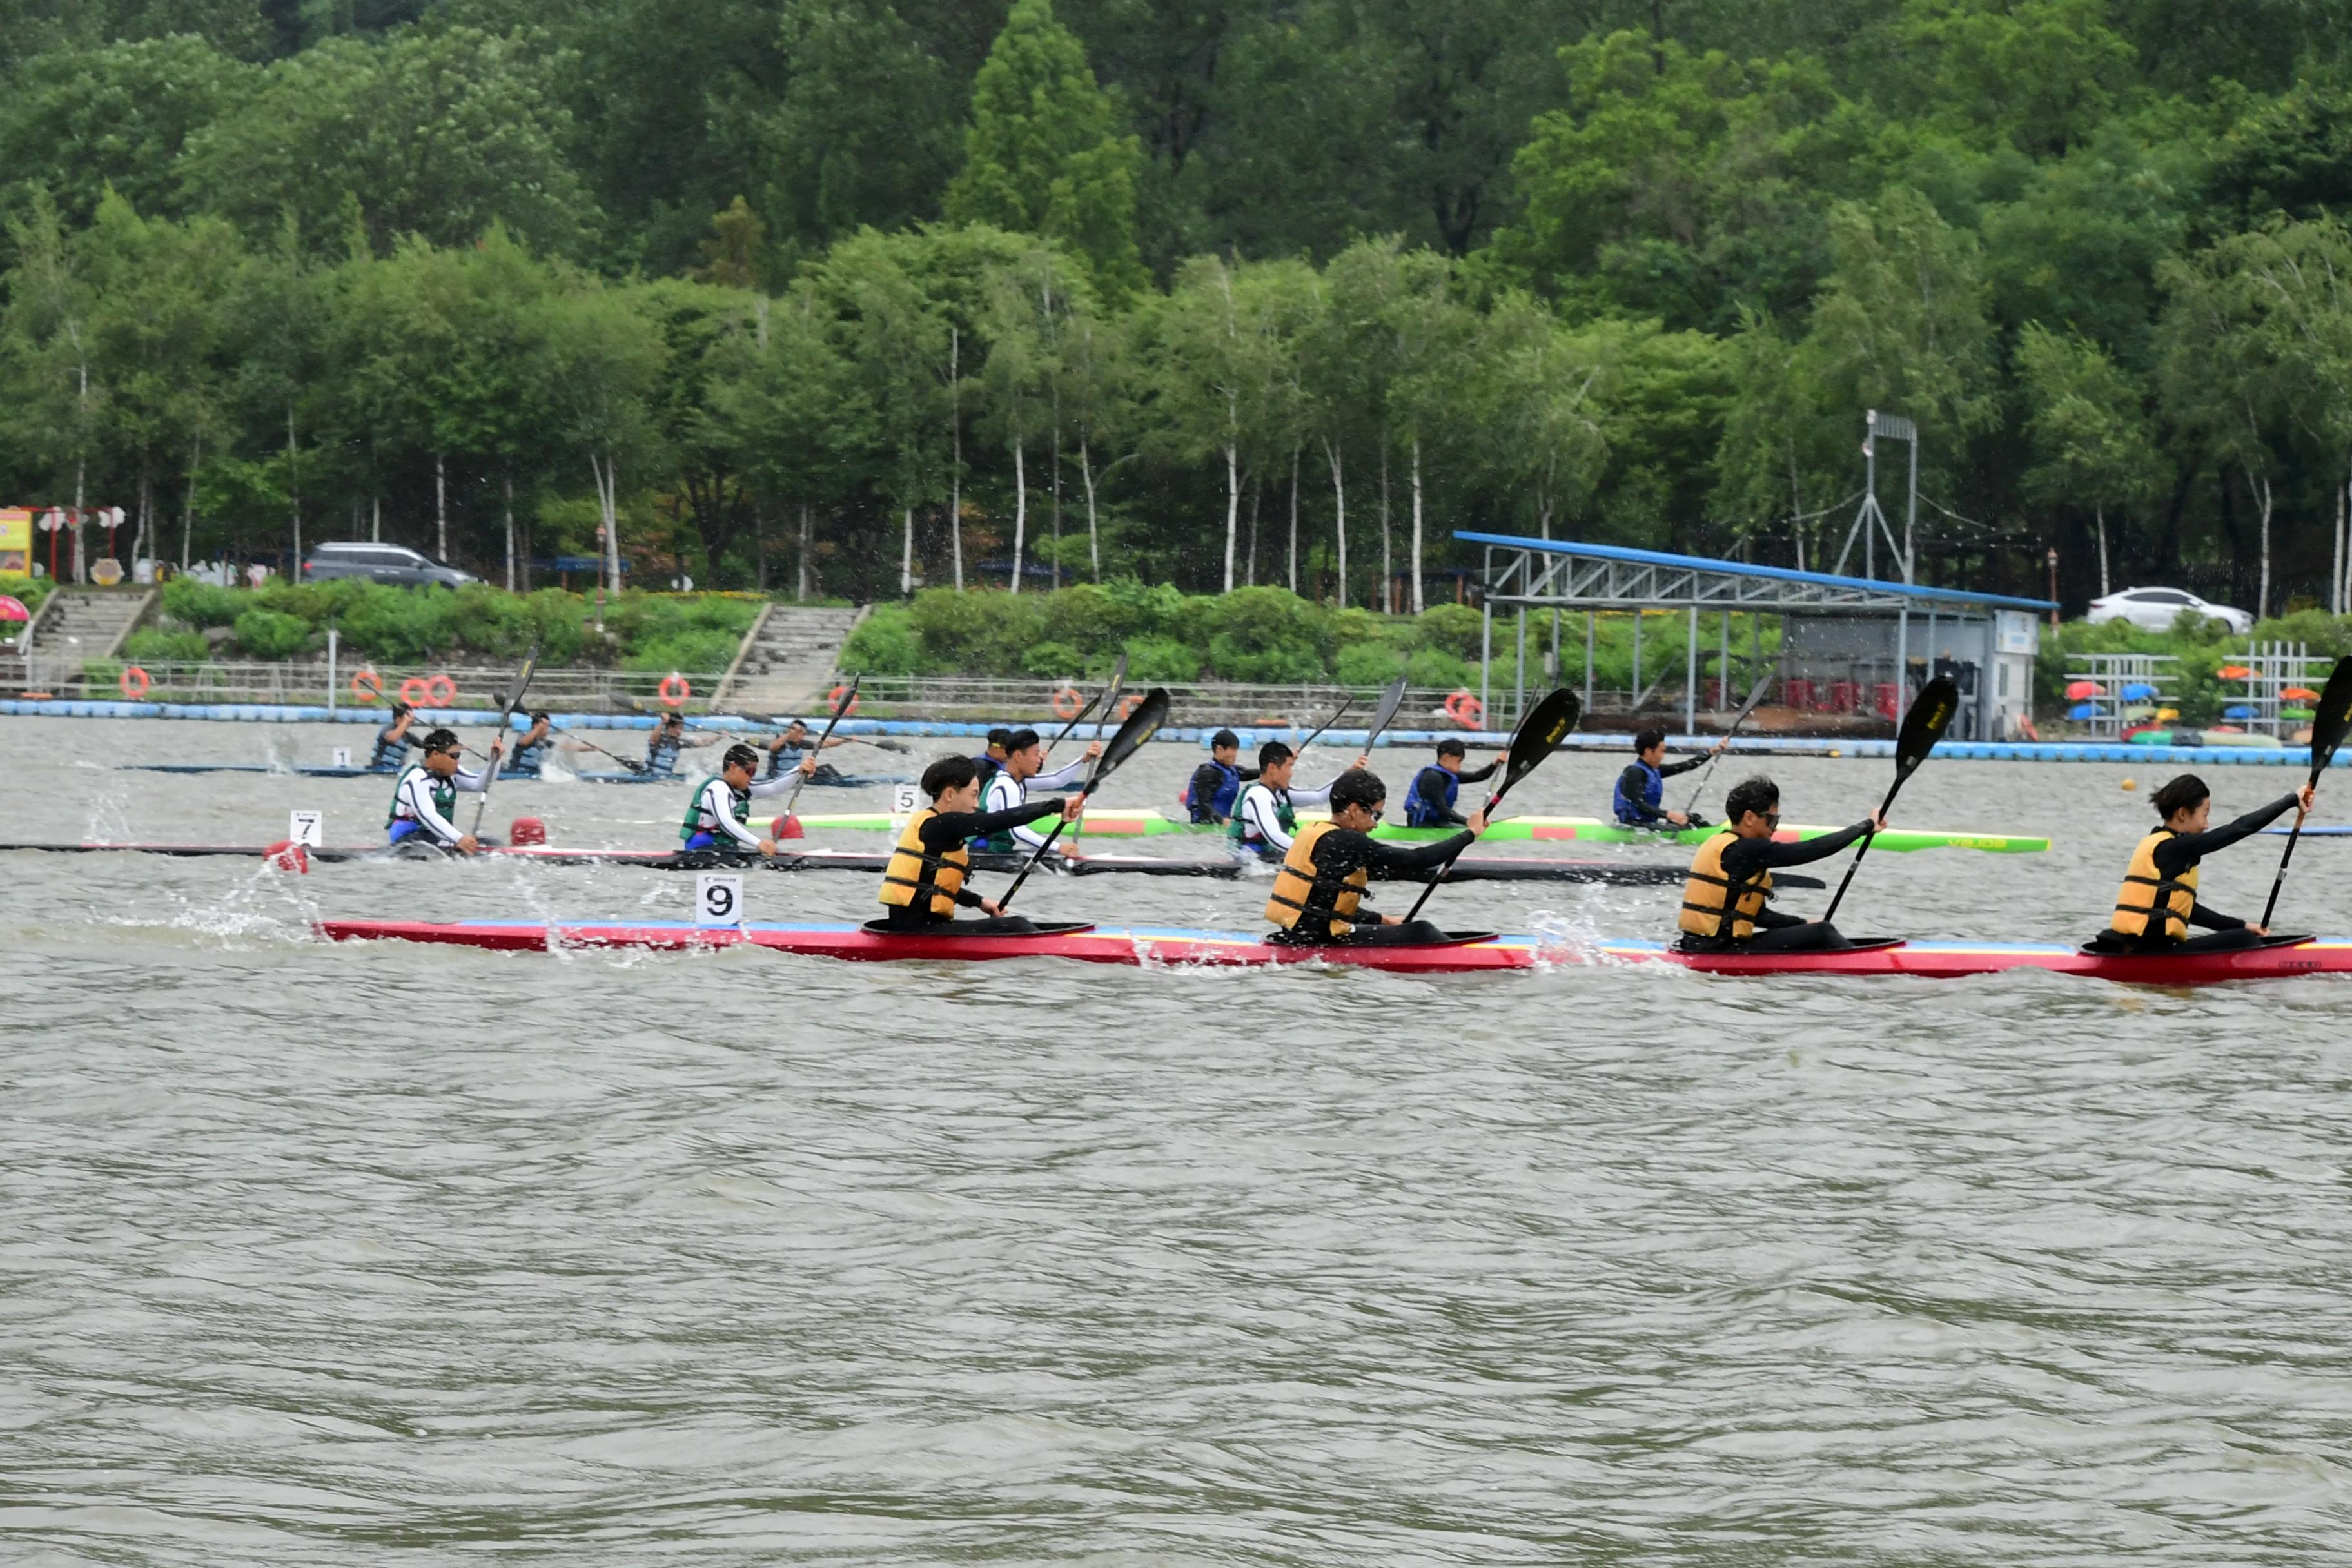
x: 393, y: 563
x: 2156, y: 609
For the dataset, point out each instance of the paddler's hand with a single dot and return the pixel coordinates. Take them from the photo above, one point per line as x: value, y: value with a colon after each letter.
x: 2304, y: 798
x: 1094, y: 750
x: 1678, y: 818
x: 468, y: 844
x: 1477, y: 823
x: 2258, y: 931
x: 1074, y: 808
x: 808, y: 766
x: 767, y: 847
x: 1720, y: 747
x: 1877, y: 821
x: 1364, y: 760
x: 990, y: 907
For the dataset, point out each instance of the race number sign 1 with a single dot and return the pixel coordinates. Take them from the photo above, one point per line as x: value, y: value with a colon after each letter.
x: 719, y: 899
x: 343, y: 756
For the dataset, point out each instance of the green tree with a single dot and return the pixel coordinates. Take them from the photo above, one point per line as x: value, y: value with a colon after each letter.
x: 1045, y: 154
x: 866, y: 133
x: 344, y: 121
x: 47, y: 347
x: 116, y: 117
x: 2090, y: 436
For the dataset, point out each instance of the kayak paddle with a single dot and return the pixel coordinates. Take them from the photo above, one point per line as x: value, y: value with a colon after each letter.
x: 1327, y: 723
x: 506, y: 717
x: 1390, y: 700
x: 1539, y: 735
x: 2329, y: 719
x: 634, y: 767
x: 1138, y: 729
x: 1930, y: 716
x: 1755, y: 696
x: 838, y: 710
x: 1118, y: 676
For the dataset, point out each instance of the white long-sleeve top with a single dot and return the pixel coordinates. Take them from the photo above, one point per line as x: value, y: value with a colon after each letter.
x: 1005, y: 792
x: 1258, y: 809
x: 413, y: 798
x: 715, y: 802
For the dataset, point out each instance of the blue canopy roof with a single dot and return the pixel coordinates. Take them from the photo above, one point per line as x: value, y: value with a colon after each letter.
x: 1872, y: 585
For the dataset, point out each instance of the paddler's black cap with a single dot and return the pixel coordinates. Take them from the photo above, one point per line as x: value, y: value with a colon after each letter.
x: 1756, y: 793
x: 440, y: 741
x: 999, y: 737
x: 1221, y: 738
x: 1359, y: 786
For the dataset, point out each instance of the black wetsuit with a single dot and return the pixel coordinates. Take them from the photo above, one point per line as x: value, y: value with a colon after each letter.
x: 2180, y: 854
x: 1338, y: 854
x: 945, y: 832
x: 1744, y: 861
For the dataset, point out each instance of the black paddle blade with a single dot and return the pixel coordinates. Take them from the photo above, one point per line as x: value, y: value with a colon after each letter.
x: 1931, y: 714
x: 849, y: 696
x: 1755, y: 695
x: 2332, y: 718
x: 1539, y: 733
x: 1139, y: 727
x: 1390, y: 700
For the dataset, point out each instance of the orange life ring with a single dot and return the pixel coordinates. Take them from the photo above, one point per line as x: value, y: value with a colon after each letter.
x: 833, y: 700
x: 2025, y: 727
x: 1066, y: 703
x: 414, y: 692
x: 132, y: 683
x: 1126, y: 709
x: 367, y: 685
x: 1464, y: 709
x: 676, y: 688
x: 440, y: 690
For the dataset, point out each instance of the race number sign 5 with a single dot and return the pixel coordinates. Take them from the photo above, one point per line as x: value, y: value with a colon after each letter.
x: 719, y: 899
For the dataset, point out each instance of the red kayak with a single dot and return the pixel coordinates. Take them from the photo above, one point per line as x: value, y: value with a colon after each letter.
x: 1147, y: 945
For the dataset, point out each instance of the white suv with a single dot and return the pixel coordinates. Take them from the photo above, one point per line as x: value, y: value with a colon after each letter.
x: 2156, y: 609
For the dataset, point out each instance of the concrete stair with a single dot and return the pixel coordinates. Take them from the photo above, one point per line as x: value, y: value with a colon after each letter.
x: 77, y: 624
x: 790, y: 660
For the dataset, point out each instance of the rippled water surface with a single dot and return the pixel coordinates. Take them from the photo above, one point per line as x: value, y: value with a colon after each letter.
x: 320, y: 1254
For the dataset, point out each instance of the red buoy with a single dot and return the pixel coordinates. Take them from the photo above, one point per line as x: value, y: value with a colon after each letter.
x: 286, y: 855
x: 786, y: 827
x: 525, y: 831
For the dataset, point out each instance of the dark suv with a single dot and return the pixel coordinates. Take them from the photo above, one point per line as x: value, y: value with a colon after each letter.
x: 393, y: 563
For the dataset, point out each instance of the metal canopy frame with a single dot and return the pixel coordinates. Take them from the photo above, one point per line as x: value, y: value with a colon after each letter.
x: 1525, y: 573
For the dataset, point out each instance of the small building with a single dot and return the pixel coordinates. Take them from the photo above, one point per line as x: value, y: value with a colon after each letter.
x: 1849, y: 646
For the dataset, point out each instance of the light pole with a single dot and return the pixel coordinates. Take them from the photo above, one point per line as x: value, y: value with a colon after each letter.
x: 2053, y: 559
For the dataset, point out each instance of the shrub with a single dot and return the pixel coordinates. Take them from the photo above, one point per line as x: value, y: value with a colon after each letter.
x: 161, y: 644
x: 27, y: 591
x: 1369, y: 664
x: 271, y: 633
x: 1150, y: 659
x: 1434, y: 666
x: 1269, y: 634
x: 1052, y: 659
x: 1449, y: 628
x: 885, y: 643
x: 976, y: 633
x: 200, y: 604
x: 697, y: 650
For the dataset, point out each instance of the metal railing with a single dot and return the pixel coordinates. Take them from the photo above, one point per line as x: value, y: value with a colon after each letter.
x: 955, y: 699
x: 308, y: 684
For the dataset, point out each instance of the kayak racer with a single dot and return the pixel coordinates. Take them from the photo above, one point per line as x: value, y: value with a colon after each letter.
x: 1430, y: 802
x: 426, y: 793
x: 1266, y: 819
x: 2158, y: 902
x: 1639, y: 798
x: 1318, y: 895
x: 1009, y: 786
x: 721, y: 806
x: 1731, y: 877
x: 924, y: 882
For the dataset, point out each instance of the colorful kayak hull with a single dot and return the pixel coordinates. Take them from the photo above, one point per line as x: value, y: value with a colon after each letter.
x: 318, y: 771
x: 1126, y: 822
x: 1147, y: 945
x: 1469, y: 868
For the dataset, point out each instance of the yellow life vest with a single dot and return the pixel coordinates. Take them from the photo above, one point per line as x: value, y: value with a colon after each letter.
x: 1293, y: 885
x: 2148, y: 896
x: 913, y: 869
x: 1705, y: 895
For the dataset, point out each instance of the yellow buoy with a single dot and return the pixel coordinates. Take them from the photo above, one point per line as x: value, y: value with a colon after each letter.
x: 2130, y: 784
x: 1835, y: 753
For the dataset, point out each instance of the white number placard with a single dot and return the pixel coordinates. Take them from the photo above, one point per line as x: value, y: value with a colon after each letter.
x: 719, y: 899
x: 906, y: 799
x: 343, y: 756
x: 307, y: 828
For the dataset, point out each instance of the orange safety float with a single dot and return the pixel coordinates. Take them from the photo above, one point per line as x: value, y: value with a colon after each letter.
x: 367, y: 685
x: 440, y: 690
x: 414, y: 692
x: 676, y: 688
x: 132, y: 683
x: 1066, y: 703
x: 833, y: 704
x: 1126, y: 709
x: 1464, y: 709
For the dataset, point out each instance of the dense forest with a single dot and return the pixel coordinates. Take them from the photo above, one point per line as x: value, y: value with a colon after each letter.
x: 850, y: 296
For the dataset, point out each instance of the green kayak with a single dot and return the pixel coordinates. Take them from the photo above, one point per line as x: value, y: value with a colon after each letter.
x: 1116, y: 822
